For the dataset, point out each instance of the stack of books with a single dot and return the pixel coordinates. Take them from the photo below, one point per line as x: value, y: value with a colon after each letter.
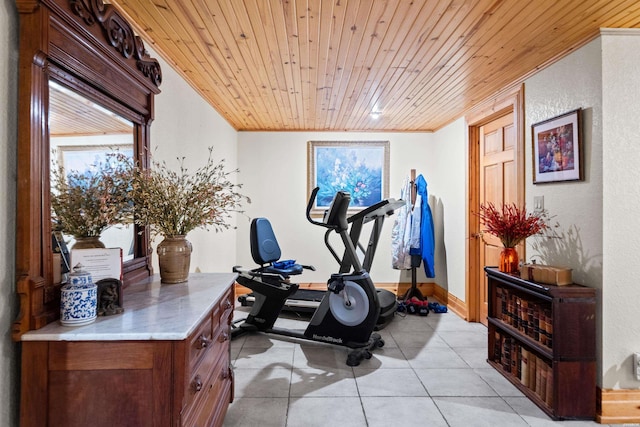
x: 532, y: 371
x: 531, y: 318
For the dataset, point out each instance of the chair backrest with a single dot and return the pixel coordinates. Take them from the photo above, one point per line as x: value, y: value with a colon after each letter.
x: 264, y: 246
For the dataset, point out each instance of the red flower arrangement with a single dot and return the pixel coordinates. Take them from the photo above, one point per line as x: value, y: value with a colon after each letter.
x: 511, y: 224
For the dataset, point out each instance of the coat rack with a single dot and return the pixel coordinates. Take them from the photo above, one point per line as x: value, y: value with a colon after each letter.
x: 413, y: 291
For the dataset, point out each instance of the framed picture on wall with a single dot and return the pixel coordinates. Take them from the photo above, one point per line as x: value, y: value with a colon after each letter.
x: 81, y: 158
x: 360, y: 168
x: 557, y: 149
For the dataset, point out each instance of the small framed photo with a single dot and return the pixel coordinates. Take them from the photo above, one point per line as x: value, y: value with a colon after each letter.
x: 557, y: 149
x: 360, y: 168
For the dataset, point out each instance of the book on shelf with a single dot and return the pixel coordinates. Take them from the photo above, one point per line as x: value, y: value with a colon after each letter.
x: 533, y: 360
x: 542, y: 328
x: 548, y: 327
x: 542, y: 391
x: 549, y: 395
x: 524, y: 366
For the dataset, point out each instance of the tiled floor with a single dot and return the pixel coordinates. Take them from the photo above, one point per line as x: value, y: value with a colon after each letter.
x: 432, y: 371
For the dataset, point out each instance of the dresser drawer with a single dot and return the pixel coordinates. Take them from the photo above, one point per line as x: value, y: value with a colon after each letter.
x: 210, y: 361
x: 223, y: 310
x: 200, y: 342
x: 207, y: 397
x: 213, y: 409
x: 213, y: 330
x: 208, y: 377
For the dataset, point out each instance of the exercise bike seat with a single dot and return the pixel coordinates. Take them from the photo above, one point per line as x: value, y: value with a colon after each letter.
x: 266, y: 251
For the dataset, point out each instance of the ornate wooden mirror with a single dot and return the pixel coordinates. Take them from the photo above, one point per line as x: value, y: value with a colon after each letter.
x: 85, y: 48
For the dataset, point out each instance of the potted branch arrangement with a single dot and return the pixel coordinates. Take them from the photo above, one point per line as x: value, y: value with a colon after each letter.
x: 511, y: 224
x: 174, y: 203
x: 85, y: 203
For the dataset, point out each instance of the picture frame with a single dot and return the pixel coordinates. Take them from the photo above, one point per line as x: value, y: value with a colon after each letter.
x: 557, y: 148
x: 81, y: 157
x: 360, y: 168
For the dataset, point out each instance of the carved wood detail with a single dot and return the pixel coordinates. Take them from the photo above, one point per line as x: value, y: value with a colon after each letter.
x: 119, y: 34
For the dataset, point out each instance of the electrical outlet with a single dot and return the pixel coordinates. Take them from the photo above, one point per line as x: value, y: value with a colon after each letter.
x: 538, y: 203
x: 636, y: 365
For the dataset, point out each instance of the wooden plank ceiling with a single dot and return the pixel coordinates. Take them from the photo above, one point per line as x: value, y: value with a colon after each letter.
x: 71, y: 114
x: 319, y: 65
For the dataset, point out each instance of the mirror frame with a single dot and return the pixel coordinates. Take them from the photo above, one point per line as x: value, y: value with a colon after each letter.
x: 89, y: 47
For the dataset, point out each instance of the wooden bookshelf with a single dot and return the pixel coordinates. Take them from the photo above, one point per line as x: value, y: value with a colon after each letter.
x: 542, y: 338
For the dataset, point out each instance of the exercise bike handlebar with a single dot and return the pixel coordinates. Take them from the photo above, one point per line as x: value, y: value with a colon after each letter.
x: 312, y: 199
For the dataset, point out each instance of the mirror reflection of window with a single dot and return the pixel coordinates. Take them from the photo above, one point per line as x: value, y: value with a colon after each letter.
x: 82, y: 133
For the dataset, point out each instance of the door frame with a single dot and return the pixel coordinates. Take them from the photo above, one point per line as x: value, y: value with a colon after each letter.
x: 511, y: 100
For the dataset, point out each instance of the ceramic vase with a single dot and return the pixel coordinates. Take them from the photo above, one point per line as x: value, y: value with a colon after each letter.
x: 87, y: 242
x: 78, y: 299
x: 174, y: 257
x: 509, y: 261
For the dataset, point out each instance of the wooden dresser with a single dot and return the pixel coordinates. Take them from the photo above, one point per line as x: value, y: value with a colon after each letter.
x: 165, y: 361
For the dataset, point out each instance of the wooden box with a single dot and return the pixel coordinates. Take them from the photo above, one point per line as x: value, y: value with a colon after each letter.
x: 546, y: 274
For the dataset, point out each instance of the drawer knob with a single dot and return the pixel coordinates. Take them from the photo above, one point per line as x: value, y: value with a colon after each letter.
x: 225, y: 374
x: 224, y: 337
x: 197, y: 383
x: 203, y: 341
x: 227, y: 304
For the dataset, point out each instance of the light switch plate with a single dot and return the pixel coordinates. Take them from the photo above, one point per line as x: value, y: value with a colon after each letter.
x: 538, y: 203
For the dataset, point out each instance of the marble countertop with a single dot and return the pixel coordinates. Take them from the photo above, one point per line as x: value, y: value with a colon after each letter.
x: 153, y: 311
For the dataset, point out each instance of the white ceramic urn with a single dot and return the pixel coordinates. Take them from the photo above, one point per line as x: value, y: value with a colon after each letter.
x: 78, y: 299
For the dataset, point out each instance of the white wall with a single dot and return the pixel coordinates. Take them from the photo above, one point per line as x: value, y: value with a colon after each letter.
x: 185, y: 126
x: 449, y: 183
x: 621, y: 205
x: 273, y: 168
x: 573, y: 82
x: 9, y: 360
x: 597, y: 216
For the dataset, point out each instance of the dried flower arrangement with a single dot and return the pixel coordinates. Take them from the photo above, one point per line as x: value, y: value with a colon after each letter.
x: 85, y: 203
x: 174, y: 203
x: 511, y: 224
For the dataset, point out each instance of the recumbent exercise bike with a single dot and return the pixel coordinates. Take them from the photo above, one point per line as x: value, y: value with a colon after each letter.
x: 350, y: 308
x: 304, y: 302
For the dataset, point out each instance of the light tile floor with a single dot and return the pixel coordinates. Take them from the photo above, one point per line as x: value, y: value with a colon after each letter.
x: 432, y: 371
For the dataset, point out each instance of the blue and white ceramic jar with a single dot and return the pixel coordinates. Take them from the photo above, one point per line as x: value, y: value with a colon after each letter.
x: 78, y: 299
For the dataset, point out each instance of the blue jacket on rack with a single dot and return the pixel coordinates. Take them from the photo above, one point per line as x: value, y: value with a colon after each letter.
x: 427, y: 237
